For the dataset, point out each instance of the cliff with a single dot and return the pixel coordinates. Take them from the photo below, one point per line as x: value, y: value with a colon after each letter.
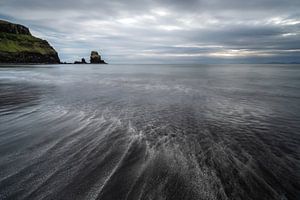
x: 17, y: 45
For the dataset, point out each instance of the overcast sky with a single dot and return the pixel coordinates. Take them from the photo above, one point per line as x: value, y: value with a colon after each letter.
x: 164, y: 31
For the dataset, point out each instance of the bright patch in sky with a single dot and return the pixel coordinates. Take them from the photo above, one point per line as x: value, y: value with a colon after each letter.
x: 147, y: 31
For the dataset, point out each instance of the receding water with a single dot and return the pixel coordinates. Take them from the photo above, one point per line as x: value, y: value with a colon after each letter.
x: 158, y: 132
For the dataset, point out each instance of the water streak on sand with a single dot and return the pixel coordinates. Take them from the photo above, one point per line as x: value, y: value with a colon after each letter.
x: 150, y: 132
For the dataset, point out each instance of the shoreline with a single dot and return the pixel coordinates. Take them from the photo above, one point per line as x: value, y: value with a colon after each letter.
x: 53, y: 64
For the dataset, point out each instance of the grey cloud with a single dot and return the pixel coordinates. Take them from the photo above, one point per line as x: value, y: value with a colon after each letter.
x: 164, y: 31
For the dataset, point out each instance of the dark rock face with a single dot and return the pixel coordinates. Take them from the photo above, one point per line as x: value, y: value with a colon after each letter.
x: 17, y: 45
x: 7, y: 27
x: 80, y: 62
x: 96, y: 58
x: 28, y: 58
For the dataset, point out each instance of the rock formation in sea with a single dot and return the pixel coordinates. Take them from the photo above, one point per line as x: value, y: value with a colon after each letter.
x: 17, y: 45
x: 80, y: 62
x: 96, y: 58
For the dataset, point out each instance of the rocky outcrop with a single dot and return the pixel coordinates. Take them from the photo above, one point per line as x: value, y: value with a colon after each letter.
x: 80, y: 62
x: 6, y: 27
x: 96, y: 58
x: 17, y: 45
x: 28, y: 58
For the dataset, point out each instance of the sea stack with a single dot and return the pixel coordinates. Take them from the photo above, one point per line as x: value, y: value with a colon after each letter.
x: 96, y: 58
x: 80, y: 62
x: 18, y: 46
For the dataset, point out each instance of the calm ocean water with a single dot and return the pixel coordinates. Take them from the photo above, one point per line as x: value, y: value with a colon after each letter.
x: 131, y: 132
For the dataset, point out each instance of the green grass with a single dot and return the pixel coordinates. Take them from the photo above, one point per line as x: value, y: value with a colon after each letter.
x: 15, y: 43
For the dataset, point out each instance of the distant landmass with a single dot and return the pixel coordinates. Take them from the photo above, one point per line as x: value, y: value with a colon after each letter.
x: 17, y: 45
x: 283, y: 63
x: 95, y: 58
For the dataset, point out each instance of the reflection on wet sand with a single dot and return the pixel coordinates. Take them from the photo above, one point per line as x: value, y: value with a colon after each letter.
x: 134, y: 134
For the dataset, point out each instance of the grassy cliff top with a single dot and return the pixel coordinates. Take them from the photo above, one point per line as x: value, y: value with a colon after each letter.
x: 14, y: 43
x: 16, y: 38
x: 7, y: 27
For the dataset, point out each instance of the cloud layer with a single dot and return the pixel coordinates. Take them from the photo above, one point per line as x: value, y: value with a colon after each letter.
x: 153, y: 31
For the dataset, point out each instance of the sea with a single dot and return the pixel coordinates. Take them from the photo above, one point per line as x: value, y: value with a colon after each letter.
x: 150, y: 132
